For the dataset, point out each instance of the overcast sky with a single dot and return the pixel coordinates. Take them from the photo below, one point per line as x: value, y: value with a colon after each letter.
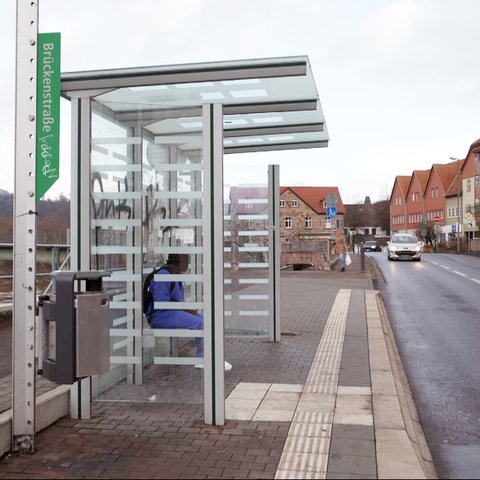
x: 399, y: 81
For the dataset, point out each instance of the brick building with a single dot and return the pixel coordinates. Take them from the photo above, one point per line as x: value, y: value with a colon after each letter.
x: 303, y: 214
x: 398, y: 203
x: 305, y: 228
x: 442, y: 202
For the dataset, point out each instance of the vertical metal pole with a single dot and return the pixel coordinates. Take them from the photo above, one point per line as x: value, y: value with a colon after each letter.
x: 80, y: 394
x: 136, y: 184
x: 274, y: 252
x: 214, y: 331
x: 362, y: 258
x: 24, y: 243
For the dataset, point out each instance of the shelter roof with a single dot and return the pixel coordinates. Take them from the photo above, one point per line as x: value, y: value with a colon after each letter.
x: 268, y: 104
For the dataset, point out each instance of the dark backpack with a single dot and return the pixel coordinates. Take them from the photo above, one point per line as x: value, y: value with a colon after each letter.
x: 147, y: 294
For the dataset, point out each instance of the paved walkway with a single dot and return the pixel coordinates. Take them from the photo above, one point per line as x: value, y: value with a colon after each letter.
x: 329, y: 401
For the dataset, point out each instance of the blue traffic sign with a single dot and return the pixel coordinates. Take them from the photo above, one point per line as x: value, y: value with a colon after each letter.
x: 331, y: 212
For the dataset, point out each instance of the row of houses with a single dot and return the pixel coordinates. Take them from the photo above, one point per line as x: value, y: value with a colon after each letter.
x: 441, y: 205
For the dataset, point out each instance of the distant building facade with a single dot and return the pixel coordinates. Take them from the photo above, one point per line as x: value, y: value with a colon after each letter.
x: 441, y: 205
x: 307, y: 225
x: 304, y: 213
x: 361, y: 222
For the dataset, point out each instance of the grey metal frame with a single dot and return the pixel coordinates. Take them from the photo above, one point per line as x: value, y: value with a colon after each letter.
x: 24, y: 243
x: 214, y: 381
x: 274, y: 253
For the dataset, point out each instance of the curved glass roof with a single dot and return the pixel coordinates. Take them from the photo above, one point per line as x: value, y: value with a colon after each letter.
x: 268, y: 104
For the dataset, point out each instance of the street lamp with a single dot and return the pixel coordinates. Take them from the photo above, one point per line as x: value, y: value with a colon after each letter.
x: 458, y: 201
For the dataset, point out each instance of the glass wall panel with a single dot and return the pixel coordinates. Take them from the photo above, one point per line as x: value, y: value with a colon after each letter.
x: 146, y: 202
x: 246, y: 253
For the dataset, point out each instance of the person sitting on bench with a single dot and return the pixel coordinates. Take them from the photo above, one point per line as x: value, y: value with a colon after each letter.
x: 177, y: 263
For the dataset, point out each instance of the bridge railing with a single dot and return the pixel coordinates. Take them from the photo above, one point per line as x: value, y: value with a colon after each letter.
x: 50, y: 257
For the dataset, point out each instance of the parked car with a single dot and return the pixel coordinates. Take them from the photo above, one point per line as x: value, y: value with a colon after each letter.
x: 371, y: 246
x: 404, y: 246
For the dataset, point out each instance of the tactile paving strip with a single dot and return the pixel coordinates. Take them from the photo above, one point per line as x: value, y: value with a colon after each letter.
x: 305, y: 454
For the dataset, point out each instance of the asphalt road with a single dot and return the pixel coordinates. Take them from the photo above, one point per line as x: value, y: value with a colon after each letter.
x: 434, y: 309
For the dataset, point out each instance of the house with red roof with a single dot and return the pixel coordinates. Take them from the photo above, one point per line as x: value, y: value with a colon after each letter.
x: 416, y: 200
x: 437, y: 215
x: 398, y: 203
x: 304, y: 215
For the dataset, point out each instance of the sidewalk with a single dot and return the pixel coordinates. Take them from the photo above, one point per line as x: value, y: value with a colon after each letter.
x: 329, y: 401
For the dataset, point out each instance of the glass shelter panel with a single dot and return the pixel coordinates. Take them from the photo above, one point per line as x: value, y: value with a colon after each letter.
x: 246, y: 221
x: 146, y: 203
x: 116, y: 223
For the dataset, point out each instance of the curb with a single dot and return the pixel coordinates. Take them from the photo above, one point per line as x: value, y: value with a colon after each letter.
x: 408, y: 409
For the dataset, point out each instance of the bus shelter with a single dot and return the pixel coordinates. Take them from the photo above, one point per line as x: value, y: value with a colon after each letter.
x: 147, y: 180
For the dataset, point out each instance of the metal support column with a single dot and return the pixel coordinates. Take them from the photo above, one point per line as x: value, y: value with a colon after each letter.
x: 80, y: 395
x: 24, y: 241
x: 274, y: 251
x: 214, y: 331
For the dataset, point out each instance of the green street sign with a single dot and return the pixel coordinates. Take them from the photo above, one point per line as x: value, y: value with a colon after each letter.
x: 48, y: 113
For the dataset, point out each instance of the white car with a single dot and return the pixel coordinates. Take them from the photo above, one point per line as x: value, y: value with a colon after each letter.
x: 404, y: 246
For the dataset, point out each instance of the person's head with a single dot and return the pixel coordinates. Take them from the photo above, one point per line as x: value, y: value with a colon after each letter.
x: 179, y: 261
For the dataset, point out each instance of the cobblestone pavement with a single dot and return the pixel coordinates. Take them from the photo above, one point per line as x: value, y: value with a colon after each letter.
x: 313, y: 417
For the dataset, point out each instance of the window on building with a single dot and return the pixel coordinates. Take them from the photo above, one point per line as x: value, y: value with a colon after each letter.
x: 469, y: 184
x: 282, y: 203
x: 288, y: 222
x: 436, y: 192
x: 308, y: 222
x: 294, y: 203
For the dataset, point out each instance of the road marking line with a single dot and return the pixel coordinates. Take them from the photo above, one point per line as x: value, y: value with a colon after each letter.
x: 460, y: 274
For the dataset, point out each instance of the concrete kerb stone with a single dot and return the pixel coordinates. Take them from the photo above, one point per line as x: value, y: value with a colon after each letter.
x: 396, y: 456
x: 413, y: 432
